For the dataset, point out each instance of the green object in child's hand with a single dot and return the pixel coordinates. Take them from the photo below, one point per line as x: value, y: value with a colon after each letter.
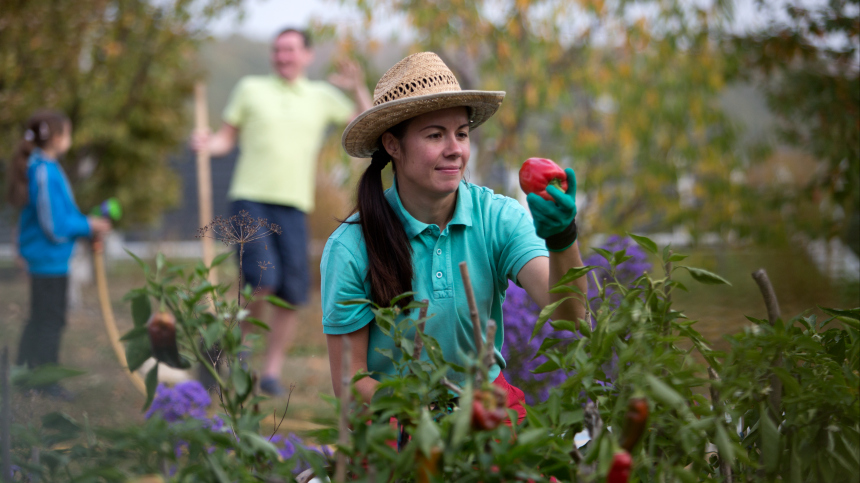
x: 109, y: 208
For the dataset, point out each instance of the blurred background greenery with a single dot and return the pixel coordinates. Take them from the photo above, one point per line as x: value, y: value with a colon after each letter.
x: 676, y: 115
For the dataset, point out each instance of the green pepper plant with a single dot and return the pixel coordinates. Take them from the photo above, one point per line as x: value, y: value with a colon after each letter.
x: 643, y: 382
x: 655, y: 400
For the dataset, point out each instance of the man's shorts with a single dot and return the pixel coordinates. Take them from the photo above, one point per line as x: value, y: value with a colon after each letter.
x: 286, y: 274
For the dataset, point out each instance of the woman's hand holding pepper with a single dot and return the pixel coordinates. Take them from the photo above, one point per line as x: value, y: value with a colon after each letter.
x: 554, y: 220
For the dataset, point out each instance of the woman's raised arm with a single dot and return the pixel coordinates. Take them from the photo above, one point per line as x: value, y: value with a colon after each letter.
x: 541, y: 273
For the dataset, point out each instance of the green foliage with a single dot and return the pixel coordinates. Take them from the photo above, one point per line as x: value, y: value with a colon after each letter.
x: 810, y: 371
x: 782, y: 404
x: 807, y: 63
x: 206, y: 320
x: 627, y: 99
x: 628, y: 94
x: 643, y: 347
x: 122, y: 70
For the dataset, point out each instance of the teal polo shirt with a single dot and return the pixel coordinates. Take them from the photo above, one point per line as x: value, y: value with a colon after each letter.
x: 492, y: 233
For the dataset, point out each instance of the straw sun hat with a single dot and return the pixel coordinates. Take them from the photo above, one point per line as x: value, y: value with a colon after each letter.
x: 418, y: 84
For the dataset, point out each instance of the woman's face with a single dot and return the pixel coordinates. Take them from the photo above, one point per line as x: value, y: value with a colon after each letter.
x: 434, y: 152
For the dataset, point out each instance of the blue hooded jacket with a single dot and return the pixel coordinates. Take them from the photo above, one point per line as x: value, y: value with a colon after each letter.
x: 51, y: 220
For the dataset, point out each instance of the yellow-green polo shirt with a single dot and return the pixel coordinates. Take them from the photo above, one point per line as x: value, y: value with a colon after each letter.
x: 281, y: 128
x: 492, y: 233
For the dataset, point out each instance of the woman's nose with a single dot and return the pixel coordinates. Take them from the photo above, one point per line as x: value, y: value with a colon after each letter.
x: 453, y: 148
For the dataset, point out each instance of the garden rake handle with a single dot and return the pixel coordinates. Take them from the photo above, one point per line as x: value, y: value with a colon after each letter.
x: 107, y: 314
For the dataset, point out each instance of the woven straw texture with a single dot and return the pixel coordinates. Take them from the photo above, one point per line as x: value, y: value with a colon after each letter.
x: 418, y: 84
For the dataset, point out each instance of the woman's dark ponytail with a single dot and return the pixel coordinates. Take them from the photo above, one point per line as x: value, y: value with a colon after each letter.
x: 39, y: 130
x: 389, y: 254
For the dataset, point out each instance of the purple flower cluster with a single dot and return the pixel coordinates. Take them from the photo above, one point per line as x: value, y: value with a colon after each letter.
x: 190, y: 400
x: 520, y: 313
x: 287, y: 448
x: 186, y: 399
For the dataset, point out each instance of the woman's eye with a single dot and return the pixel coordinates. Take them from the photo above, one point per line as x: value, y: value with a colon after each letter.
x: 463, y: 135
x: 435, y: 135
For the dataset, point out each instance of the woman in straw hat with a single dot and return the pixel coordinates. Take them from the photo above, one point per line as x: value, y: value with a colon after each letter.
x: 412, y: 236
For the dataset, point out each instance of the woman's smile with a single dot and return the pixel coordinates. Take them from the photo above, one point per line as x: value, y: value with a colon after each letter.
x: 449, y: 170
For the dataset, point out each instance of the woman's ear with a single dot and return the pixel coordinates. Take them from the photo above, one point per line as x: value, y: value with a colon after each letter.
x: 392, y: 145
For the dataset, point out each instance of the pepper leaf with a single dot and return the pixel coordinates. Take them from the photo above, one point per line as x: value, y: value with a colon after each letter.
x: 544, y: 316
x: 644, y: 242
x: 151, y: 385
x: 706, y: 277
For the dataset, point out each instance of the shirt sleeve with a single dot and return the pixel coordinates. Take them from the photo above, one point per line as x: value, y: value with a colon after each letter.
x: 235, y: 113
x: 343, y: 279
x: 57, y: 213
x: 519, y: 242
x: 340, y: 107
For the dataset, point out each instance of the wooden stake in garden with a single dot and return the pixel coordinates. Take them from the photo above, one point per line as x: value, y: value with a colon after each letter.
x: 343, y: 426
x: 204, y: 177
x: 473, y: 311
x: 773, y: 314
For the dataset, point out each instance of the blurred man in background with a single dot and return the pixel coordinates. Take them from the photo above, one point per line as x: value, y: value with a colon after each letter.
x: 280, y: 122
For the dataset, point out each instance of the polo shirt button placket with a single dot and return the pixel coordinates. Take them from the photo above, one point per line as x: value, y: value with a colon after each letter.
x: 438, y: 274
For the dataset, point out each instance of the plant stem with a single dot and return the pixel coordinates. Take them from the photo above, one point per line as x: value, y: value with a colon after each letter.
x: 450, y: 385
x: 725, y: 464
x: 419, y: 342
x: 239, y: 281
x: 208, y: 365
x: 490, y: 353
x: 343, y: 426
x: 668, y: 292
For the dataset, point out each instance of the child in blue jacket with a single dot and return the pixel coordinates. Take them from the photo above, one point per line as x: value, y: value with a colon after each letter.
x: 49, y: 224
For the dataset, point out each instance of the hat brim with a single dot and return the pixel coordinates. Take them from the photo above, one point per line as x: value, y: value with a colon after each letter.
x: 360, y: 138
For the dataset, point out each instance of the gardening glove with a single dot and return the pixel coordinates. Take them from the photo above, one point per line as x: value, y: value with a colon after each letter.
x: 555, y: 221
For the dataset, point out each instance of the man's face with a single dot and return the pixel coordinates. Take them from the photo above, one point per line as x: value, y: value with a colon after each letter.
x: 290, y: 57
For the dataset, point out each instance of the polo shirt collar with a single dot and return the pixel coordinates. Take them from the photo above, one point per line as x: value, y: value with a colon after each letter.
x: 413, y: 227
x: 297, y: 84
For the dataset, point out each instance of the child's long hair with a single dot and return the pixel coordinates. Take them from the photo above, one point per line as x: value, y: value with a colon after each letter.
x: 39, y: 130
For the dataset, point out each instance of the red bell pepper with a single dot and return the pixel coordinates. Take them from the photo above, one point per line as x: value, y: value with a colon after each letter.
x: 619, y: 472
x: 538, y: 173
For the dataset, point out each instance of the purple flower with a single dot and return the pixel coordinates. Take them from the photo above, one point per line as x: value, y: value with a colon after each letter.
x: 520, y: 313
x: 186, y: 399
x: 189, y: 400
x: 289, y: 445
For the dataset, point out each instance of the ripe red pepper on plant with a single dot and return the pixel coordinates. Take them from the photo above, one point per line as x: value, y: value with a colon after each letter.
x: 538, y: 173
x: 487, y: 413
x: 619, y: 472
x: 162, y: 338
x: 634, y: 422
